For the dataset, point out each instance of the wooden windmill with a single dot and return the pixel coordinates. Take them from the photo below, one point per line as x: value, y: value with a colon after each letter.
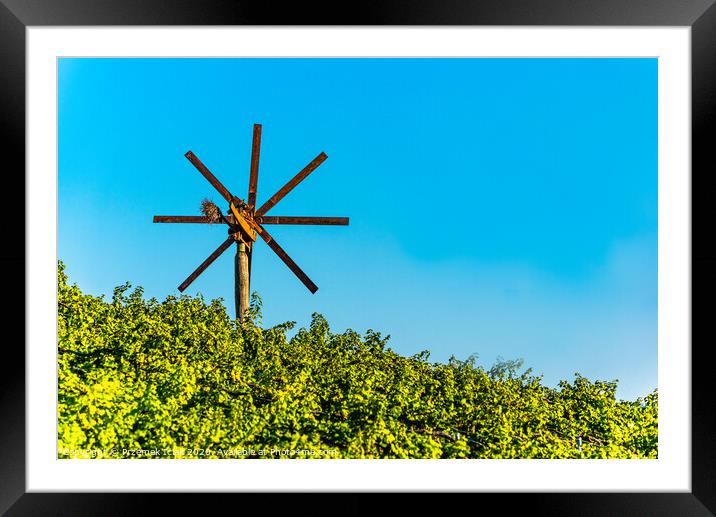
x: 245, y: 221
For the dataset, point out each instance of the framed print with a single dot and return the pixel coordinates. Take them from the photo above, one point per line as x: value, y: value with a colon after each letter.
x: 506, y: 187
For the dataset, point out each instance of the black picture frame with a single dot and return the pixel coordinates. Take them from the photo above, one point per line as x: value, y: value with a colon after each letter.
x: 16, y: 15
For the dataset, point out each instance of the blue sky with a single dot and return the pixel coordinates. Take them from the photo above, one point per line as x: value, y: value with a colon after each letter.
x: 502, y: 207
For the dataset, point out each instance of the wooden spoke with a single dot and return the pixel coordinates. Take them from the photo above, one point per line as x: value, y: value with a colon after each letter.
x: 185, y: 219
x: 266, y: 236
x: 221, y: 189
x: 254, y: 174
x: 211, y: 258
x: 200, y: 219
x: 296, y: 219
x: 288, y: 187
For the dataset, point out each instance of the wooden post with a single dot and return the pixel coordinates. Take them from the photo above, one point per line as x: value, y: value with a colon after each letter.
x: 241, y: 280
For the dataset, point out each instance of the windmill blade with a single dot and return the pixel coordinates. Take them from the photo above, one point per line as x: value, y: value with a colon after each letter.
x: 189, y: 219
x: 254, y: 174
x: 286, y: 259
x: 299, y: 219
x: 221, y: 189
x: 211, y: 258
x: 288, y: 187
x: 186, y: 219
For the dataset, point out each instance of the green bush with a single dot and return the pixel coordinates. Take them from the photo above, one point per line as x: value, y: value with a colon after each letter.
x: 181, y: 376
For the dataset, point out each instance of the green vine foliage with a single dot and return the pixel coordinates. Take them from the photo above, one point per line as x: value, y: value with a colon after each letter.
x: 182, y: 376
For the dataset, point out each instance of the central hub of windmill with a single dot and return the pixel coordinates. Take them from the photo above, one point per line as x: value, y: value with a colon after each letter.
x: 242, y: 229
x: 245, y: 222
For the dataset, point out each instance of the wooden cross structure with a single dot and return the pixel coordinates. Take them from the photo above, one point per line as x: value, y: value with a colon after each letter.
x: 245, y: 221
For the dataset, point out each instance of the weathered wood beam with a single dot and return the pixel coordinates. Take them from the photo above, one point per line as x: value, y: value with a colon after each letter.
x: 211, y: 258
x: 254, y: 174
x: 300, y: 219
x: 288, y: 187
x: 221, y: 189
x: 278, y: 250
